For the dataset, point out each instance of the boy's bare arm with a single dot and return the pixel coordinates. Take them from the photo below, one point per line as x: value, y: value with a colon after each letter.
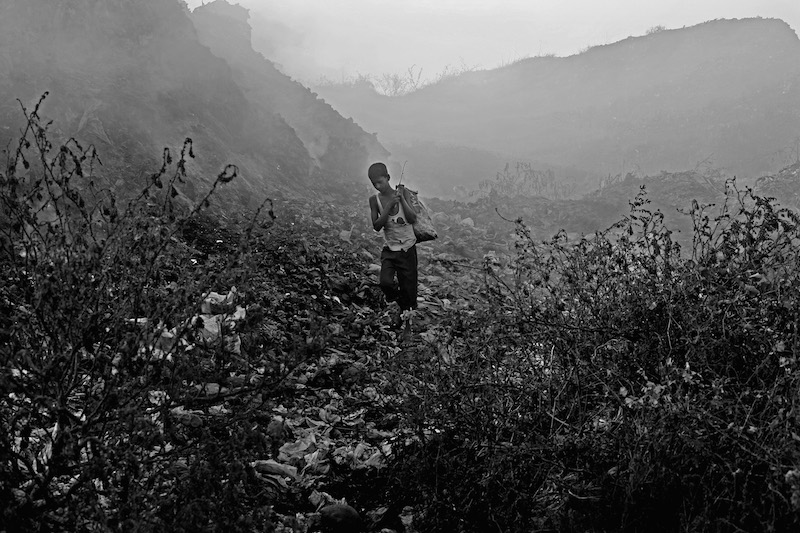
x: 378, y: 220
x: 411, y: 215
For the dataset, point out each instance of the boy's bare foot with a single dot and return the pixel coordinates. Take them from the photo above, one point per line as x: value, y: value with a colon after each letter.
x: 397, y: 318
x: 407, y: 334
x: 406, y: 317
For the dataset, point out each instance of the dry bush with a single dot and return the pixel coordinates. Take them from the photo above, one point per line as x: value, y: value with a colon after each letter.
x: 618, y: 384
x: 118, y: 409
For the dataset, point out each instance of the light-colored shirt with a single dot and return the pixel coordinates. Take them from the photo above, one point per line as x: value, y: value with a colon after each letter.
x: 397, y: 232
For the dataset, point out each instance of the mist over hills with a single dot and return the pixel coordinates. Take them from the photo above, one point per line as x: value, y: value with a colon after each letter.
x: 726, y: 91
x: 336, y: 145
x: 135, y: 77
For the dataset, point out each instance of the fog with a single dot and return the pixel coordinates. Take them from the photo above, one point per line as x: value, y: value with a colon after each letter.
x: 314, y: 39
x: 627, y: 108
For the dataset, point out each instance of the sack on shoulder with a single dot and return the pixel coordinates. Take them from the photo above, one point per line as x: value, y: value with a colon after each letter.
x: 423, y: 227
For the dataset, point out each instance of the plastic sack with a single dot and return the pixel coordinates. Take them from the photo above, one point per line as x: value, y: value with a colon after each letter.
x: 423, y: 227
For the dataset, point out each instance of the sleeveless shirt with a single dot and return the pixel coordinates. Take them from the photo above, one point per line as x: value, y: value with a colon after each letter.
x: 397, y: 232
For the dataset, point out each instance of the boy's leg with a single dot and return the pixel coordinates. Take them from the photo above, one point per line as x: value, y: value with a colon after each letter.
x: 406, y: 268
x: 407, y: 279
x: 386, y: 281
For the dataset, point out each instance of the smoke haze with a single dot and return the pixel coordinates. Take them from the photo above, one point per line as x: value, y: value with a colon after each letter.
x: 312, y: 39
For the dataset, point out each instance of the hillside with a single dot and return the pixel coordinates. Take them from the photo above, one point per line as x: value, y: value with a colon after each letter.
x: 165, y: 374
x: 134, y: 77
x: 728, y: 90
x: 166, y: 370
x: 486, y: 223
x: 784, y: 185
x: 337, y: 146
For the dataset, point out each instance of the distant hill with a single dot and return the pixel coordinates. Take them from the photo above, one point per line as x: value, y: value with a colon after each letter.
x: 727, y: 91
x: 134, y: 77
x: 785, y: 186
x: 487, y: 222
x: 669, y: 193
x: 337, y: 146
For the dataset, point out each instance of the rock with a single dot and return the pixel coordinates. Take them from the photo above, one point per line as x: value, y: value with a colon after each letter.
x: 270, y: 466
x: 166, y: 341
x: 340, y: 518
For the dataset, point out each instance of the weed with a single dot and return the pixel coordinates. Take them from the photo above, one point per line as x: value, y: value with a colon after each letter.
x: 618, y: 383
x: 120, y: 370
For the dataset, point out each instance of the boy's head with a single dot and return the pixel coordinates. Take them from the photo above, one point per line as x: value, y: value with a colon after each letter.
x: 377, y: 170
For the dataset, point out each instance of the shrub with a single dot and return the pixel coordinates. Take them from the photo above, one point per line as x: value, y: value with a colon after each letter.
x: 618, y: 383
x: 126, y: 400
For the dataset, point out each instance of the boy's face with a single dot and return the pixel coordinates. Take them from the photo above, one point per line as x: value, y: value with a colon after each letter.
x: 381, y: 183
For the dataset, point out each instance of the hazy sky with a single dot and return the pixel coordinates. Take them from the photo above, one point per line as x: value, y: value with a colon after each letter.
x: 342, y: 38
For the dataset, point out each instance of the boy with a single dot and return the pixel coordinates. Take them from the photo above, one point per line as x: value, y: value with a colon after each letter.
x: 391, y: 213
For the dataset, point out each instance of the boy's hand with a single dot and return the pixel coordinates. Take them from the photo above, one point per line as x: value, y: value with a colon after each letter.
x: 395, y: 200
